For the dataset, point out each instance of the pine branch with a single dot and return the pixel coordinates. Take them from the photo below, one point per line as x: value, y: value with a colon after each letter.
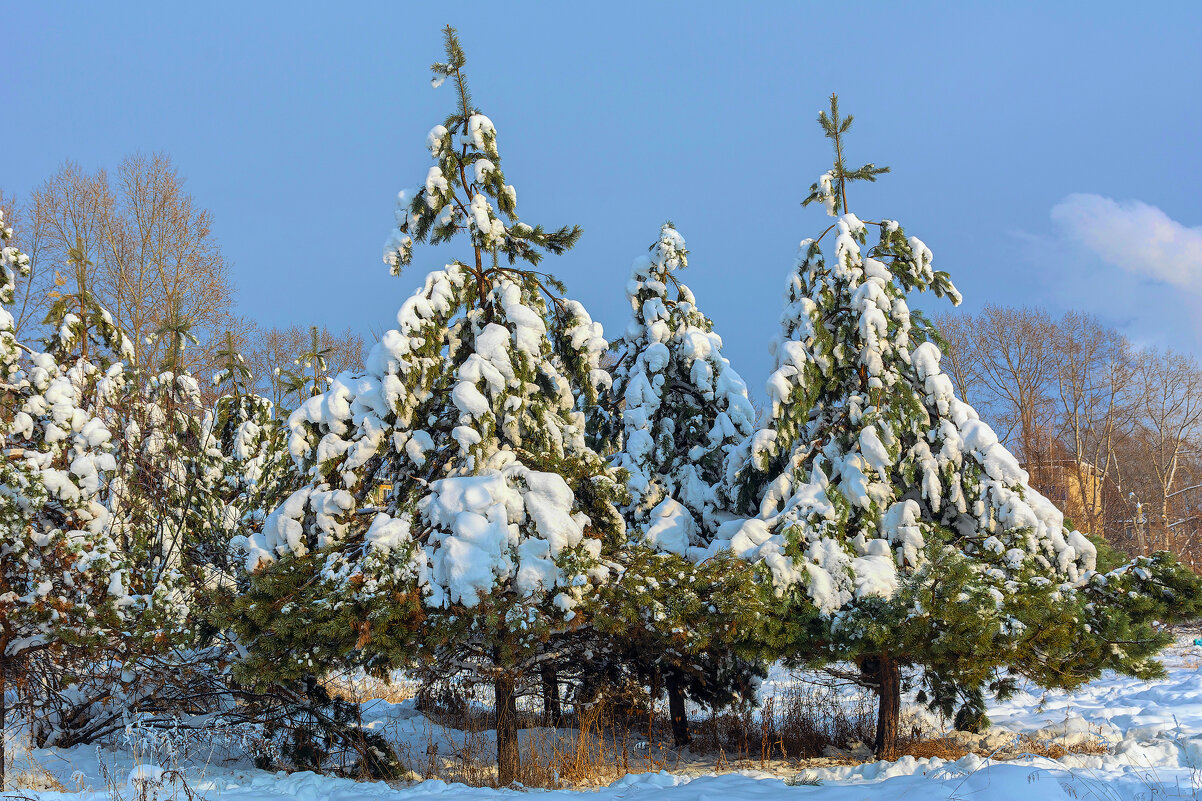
x: 834, y: 127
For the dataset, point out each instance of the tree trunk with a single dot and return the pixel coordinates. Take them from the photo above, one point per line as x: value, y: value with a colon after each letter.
x: 508, y: 759
x: 552, y: 709
x: 652, y: 699
x: 889, y: 711
x: 680, y: 718
x: 3, y: 715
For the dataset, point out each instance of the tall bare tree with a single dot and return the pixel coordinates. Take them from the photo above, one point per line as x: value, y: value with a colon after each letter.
x: 1096, y: 393
x: 151, y: 247
x: 959, y: 352
x: 1015, y: 366
x: 1172, y: 415
x: 274, y: 353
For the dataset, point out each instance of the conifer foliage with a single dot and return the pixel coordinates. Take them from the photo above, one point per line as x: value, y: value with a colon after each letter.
x: 241, y: 468
x: 898, y: 529
x: 500, y: 497
x: 683, y: 407
x: 62, y: 581
x: 451, y: 482
x: 465, y: 189
x: 680, y: 613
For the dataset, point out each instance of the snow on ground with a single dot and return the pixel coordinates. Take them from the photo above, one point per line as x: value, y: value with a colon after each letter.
x: 1118, y: 706
x: 1153, y: 731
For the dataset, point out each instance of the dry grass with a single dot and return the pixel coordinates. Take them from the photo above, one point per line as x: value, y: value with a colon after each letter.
x: 24, y: 772
x: 359, y: 688
x: 941, y: 747
x: 802, y: 722
x: 804, y: 725
x: 601, y: 746
x: 32, y: 776
x: 1023, y: 745
x: 1026, y: 744
x: 592, y: 746
x: 600, y: 743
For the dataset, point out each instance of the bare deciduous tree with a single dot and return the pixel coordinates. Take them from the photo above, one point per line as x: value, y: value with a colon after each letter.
x: 1002, y: 361
x: 1096, y: 393
x: 1171, y: 401
x: 152, y: 250
x: 273, y: 353
x: 959, y: 352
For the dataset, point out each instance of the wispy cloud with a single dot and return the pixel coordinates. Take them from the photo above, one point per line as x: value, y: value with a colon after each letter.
x: 1134, y: 236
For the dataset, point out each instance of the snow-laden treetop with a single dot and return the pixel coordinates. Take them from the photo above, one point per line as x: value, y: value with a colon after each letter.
x: 868, y: 459
x: 683, y: 406
x: 465, y: 189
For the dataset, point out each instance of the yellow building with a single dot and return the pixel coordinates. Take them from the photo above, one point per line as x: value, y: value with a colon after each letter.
x: 1075, y: 487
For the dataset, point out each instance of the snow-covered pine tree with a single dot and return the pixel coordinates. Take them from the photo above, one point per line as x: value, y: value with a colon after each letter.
x: 683, y: 407
x: 677, y: 606
x: 63, y: 584
x: 310, y: 372
x: 93, y: 354
x: 97, y: 354
x: 898, y: 530
x: 156, y: 421
x: 241, y: 470
x: 450, y: 482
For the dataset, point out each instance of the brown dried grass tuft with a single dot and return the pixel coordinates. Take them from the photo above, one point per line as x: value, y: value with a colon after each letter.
x: 940, y: 747
x: 32, y: 776
x: 799, y: 723
x: 360, y: 688
x: 950, y: 749
x: 1026, y: 744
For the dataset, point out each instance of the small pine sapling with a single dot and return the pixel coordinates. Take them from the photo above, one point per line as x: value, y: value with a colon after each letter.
x: 680, y: 615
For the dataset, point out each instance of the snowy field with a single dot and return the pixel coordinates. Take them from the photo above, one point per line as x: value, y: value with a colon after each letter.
x: 1152, y: 733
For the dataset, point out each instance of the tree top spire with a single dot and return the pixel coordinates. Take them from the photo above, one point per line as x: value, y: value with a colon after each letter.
x: 465, y: 191
x: 453, y: 68
x: 831, y: 186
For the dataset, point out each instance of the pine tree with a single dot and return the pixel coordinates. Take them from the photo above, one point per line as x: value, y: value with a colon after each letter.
x: 176, y: 329
x: 450, y: 483
x: 81, y: 330
x: 63, y: 583
x: 683, y: 408
x: 150, y: 442
x: 679, y: 615
x: 241, y: 467
x: 156, y: 420
x: 92, y: 354
x: 899, y: 531
x: 309, y: 374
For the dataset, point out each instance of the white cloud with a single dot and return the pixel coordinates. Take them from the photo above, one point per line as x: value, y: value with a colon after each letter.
x: 1134, y: 236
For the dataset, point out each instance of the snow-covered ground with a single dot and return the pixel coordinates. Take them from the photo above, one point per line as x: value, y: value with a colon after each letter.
x: 1152, y: 730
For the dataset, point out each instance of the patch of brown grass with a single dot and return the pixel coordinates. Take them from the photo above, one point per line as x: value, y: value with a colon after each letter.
x: 950, y: 749
x: 592, y: 746
x: 358, y: 689
x: 1026, y: 744
x: 31, y: 776
x: 799, y: 723
x: 940, y: 747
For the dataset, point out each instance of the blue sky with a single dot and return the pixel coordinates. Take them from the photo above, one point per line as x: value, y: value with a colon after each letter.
x: 296, y: 124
